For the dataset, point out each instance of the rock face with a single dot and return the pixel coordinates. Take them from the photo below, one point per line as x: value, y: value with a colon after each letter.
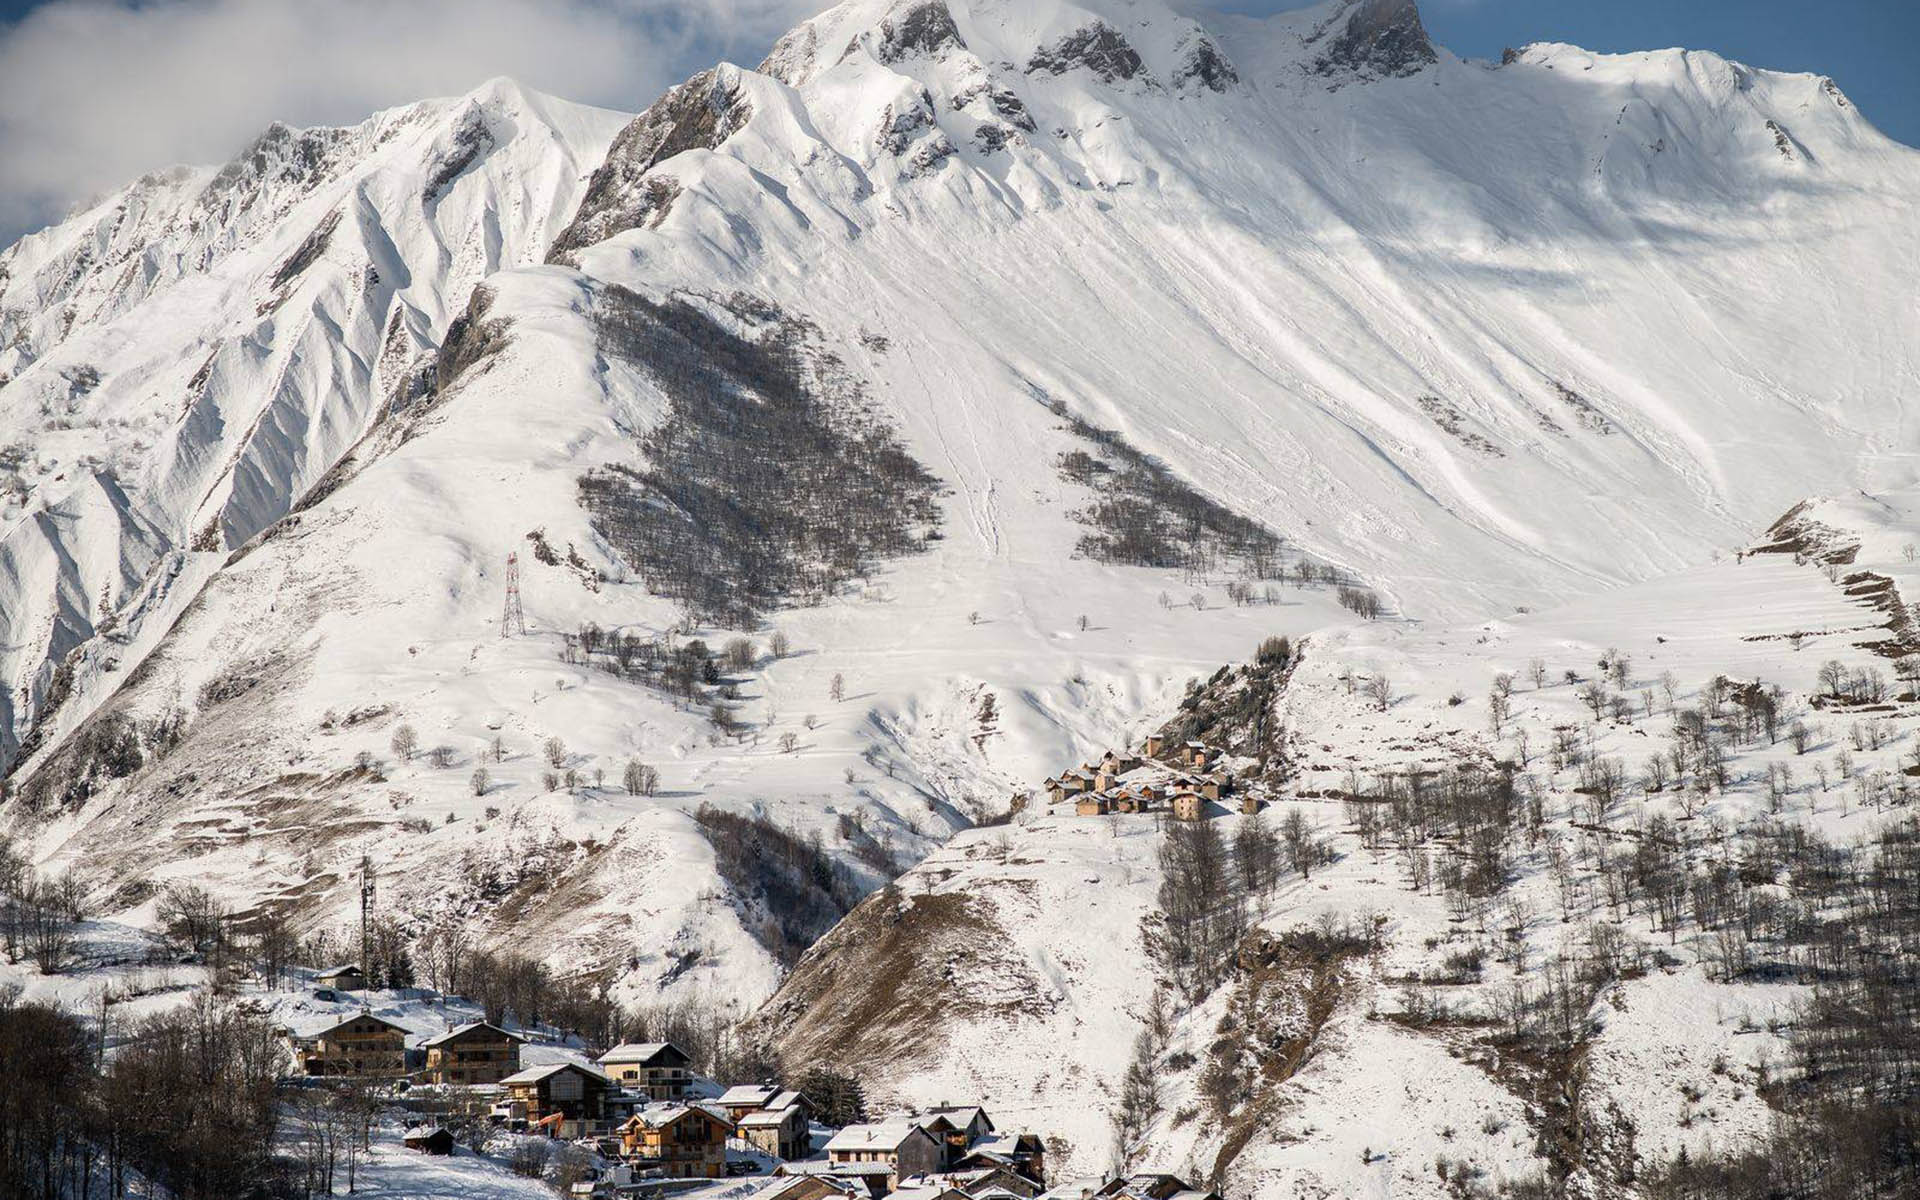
x: 699, y: 114
x: 924, y: 28
x: 1379, y: 38
x: 1098, y: 47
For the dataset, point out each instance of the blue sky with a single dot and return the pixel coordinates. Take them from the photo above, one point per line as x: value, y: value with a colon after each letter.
x: 95, y: 92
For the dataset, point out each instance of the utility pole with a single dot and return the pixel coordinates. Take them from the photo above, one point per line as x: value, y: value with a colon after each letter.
x: 513, y: 619
x: 366, y: 927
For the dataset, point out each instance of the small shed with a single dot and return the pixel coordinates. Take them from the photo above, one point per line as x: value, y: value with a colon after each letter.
x: 347, y: 977
x: 1249, y: 803
x: 428, y: 1139
x: 1091, y: 804
x: 1154, y: 744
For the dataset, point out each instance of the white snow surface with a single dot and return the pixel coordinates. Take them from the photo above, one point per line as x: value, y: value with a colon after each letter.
x: 1652, y: 300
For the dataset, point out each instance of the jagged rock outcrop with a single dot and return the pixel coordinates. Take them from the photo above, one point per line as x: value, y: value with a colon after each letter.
x: 919, y: 28
x: 1098, y: 47
x: 1378, y: 38
x: 699, y: 114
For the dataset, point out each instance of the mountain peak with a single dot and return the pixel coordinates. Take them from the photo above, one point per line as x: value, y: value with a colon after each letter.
x: 1378, y: 38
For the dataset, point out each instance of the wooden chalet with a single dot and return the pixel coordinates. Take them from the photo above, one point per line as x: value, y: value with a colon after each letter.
x: 1091, y: 804
x: 745, y: 1098
x: 1127, y: 800
x: 473, y: 1053
x: 659, y: 1069
x: 815, y: 1187
x: 1189, y: 806
x: 684, y: 1141
x: 1021, y: 1156
x: 428, y: 1139
x: 1152, y: 1187
x: 565, y: 1099
x: 958, y: 1127
x: 358, y: 1045
x: 1249, y: 803
x: 981, y: 1171
x: 347, y: 977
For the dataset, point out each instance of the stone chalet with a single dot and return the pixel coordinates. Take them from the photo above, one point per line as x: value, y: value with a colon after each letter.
x: 904, y: 1147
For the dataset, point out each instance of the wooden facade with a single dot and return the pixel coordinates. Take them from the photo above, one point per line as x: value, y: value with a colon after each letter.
x: 475, y: 1053
x: 565, y: 1098
x: 1189, y: 806
x: 683, y: 1141
x: 361, y: 1045
x: 660, y: 1069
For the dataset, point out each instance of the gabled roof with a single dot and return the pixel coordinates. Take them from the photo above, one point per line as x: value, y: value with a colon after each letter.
x: 768, y: 1117
x: 460, y: 1031
x: 339, y: 1020
x: 790, y: 1098
x: 963, y: 1115
x: 659, y: 1116
x: 536, y: 1074
x: 342, y: 969
x: 884, y: 1135
x: 750, y: 1093
x: 642, y: 1053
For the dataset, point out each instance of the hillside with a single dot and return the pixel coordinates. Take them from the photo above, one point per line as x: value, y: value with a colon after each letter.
x: 993, y: 354
x: 1360, y: 1039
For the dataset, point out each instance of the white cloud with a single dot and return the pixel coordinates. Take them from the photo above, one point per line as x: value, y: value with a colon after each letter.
x: 95, y: 92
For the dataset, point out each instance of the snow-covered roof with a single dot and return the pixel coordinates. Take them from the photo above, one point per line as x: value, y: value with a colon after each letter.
x: 768, y: 1117
x: 962, y: 1115
x: 536, y: 1074
x: 639, y: 1052
x: 441, y: 1039
x: 882, y: 1135
x: 342, y: 969
x: 321, y: 1026
x: 749, y: 1093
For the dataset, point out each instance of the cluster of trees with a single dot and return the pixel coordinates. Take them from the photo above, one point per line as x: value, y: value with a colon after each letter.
x: 770, y: 480
x: 1361, y: 601
x: 112, y: 745
x: 1208, y: 886
x: 187, y: 1103
x: 1144, y: 515
x: 801, y: 891
x: 38, y: 914
x: 1849, y: 1104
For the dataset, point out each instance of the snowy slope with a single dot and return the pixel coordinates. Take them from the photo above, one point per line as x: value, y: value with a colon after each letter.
x: 1010, y: 964
x: 181, y: 361
x: 1484, y: 336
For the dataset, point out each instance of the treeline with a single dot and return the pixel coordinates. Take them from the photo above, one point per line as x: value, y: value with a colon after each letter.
x: 800, y: 890
x: 1144, y: 515
x: 769, y: 480
x: 1208, y: 888
x: 186, y: 1102
x: 1848, y: 1107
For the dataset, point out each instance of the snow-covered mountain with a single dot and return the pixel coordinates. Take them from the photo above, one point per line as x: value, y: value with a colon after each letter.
x: 1303, y: 290
x: 183, y: 360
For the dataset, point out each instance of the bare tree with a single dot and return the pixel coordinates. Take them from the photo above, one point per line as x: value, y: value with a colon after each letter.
x: 836, y: 688
x: 556, y: 752
x: 406, y: 741
x: 480, y: 781
x: 1379, y: 689
x: 1537, y: 671
x: 779, y: 645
